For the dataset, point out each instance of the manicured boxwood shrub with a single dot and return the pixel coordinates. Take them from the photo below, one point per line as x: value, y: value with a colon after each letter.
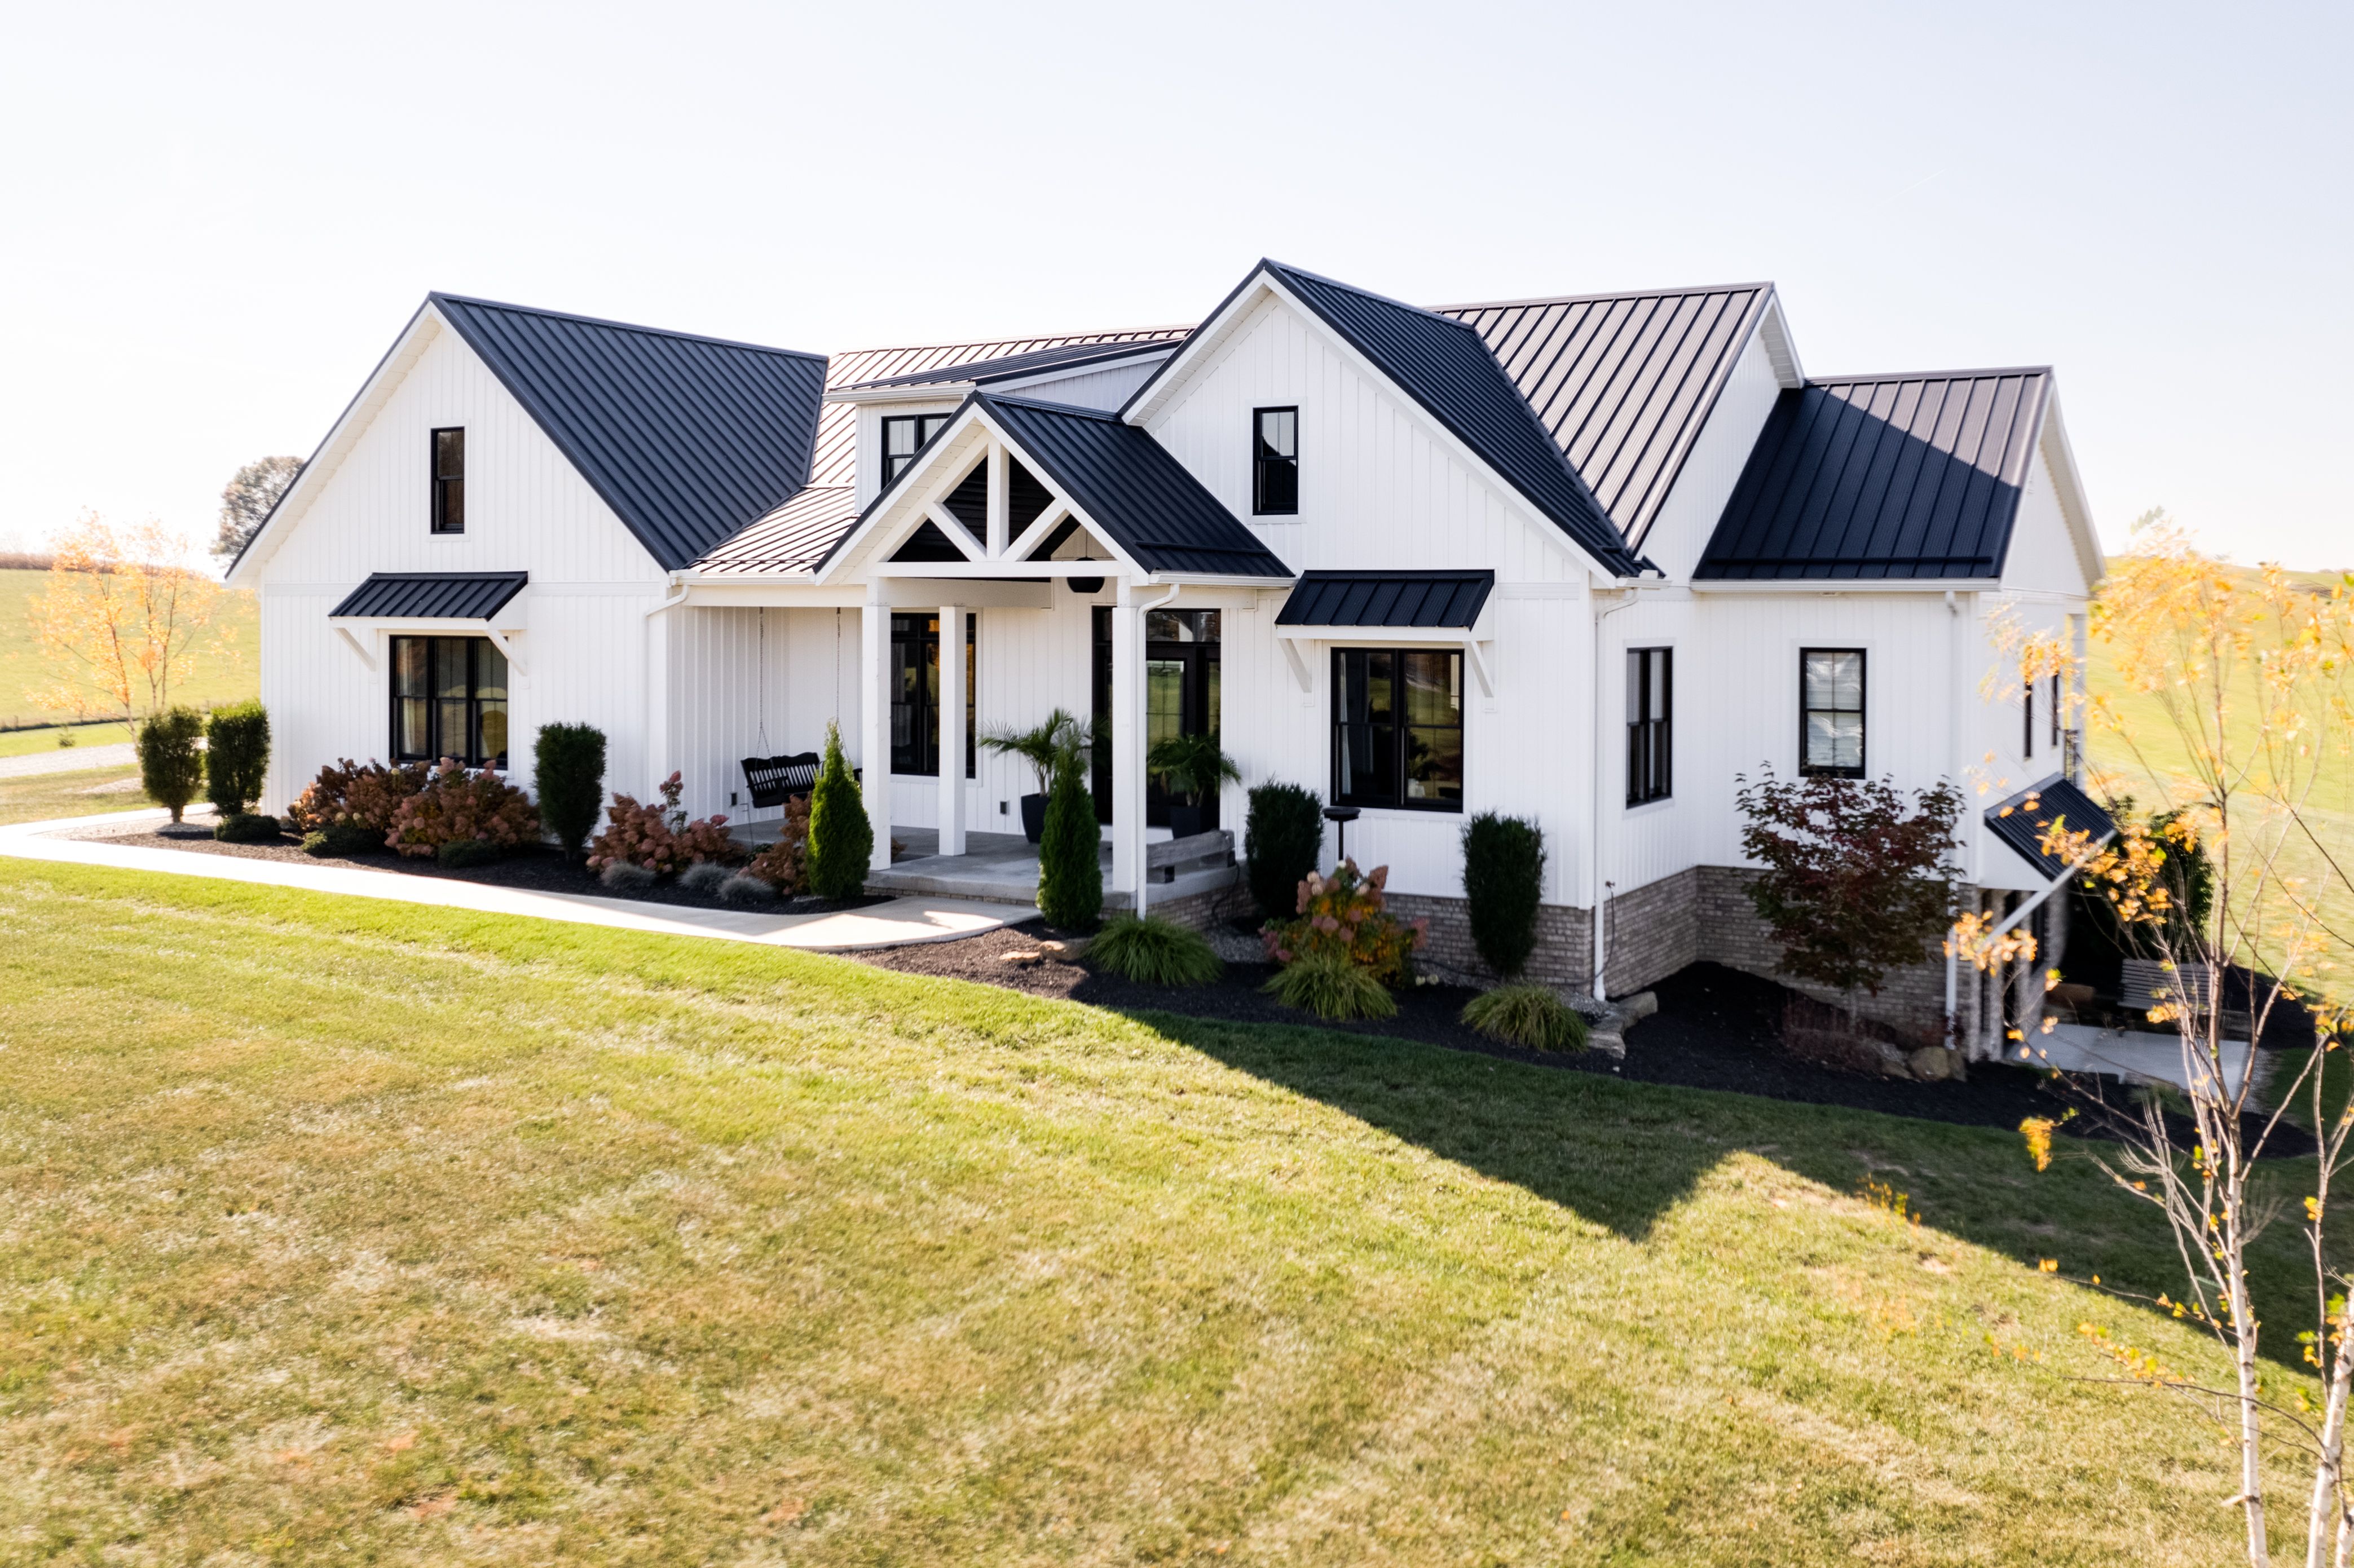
x: 840, y: 838
x: 1155, y: 951
x: 171, y: 767
x: 1070, y: 874
x: 459, y: 855
x: 341, y: 840
x: 246, y: 828
x: 568, y: 771
x: 1503, y: 875
x: 237, y: 756
x: 1283, y: 835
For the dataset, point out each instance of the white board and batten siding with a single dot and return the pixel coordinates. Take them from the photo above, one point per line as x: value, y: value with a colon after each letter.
x: 587, y: 648
x: 1681, y: 529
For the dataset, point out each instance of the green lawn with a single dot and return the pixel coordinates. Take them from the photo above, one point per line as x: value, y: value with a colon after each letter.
x: 337, y: 1229
x: 45, y: 796
x: 24, y: 673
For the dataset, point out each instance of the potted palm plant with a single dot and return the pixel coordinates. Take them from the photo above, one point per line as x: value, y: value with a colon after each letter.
x: 1038, y: 745
x: 1194, y: 767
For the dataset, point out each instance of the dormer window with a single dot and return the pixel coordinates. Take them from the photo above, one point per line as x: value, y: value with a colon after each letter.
x: 904, y: 435
x: 450, y: 480
x: 1275, y: 465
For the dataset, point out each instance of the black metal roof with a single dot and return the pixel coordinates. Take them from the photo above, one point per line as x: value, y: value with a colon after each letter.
x: 688, y: 439
x: 1884, y: 477
x: 981, y: 372
x: 1445, y: 365
x: 1132, y: 488
x: 2022, y: 820
x: 1448, y: 599
x: 433, y: 596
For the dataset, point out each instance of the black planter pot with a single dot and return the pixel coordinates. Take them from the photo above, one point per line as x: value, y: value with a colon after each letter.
x: 1184, y: 822
x: 1034, y: 817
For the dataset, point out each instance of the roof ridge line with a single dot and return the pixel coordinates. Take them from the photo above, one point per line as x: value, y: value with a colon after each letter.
x: 1766, y: 284
x: 1130, y: 333
x: 438, y: 296
x: 1931, y: 374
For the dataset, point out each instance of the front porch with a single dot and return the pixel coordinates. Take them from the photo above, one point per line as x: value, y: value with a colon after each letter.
x: 1003, y: 868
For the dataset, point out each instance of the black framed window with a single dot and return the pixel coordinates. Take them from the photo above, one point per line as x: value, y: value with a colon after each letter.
x: 1397, y: 727
x: 905, y: 435
x: 1830, y: 712
x: 1182, y: 671
x: 450, y: 480
x: 2055, y: 708
x: 1274, y: 462
x: 449, y: 699
x: 1651, y: 708
x: 2027, y: 714
x: 915, y: 695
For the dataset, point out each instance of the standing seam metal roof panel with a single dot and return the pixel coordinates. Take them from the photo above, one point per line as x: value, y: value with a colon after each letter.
x: 432, y: 596
x: 2022, y: 820
x: 1448, y: 599
x: 689, y: 439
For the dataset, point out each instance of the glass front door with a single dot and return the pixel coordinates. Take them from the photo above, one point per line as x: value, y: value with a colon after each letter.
x: 1181, y: 697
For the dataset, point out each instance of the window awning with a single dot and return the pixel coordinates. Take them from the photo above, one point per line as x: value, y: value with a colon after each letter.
x: 430, y: 596
x: 1431, y: 600
x: 2021, y: 821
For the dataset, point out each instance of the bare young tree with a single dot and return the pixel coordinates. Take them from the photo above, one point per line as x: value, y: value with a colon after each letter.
x: 247, y: 500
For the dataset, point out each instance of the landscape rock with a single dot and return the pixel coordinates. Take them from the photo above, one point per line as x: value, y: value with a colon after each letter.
x: 1639, y: 1006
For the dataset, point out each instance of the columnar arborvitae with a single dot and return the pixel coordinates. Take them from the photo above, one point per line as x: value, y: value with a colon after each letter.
x: 841, y: 839
x: 568, y: 771
x: 1070, y: 877
x: 1503, y: 877
x: 237, y: 756
x: 171, y: 768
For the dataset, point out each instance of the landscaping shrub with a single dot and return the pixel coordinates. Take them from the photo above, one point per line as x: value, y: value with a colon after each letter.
x: 744, y: 887
x: 1330, y: 986
x: 237, y: 756
x: 569, y: 772
x: 1527, y: 1015
x: 783, y: 866
x: 348, y: 800
x: 1070, y: 874
x: 1345, y: 916
x: 1503, y: 873
x: 342, y: 840
x: 626, y: 876
x: 245, y: 828
x: 659, y: 836
x: 1283, y: 835
x: 705, y: 876
x: 455, y: 804
x: 458, y: 855
x: 1155, y: 951
x: 171, y: 767
x: 840, y: 838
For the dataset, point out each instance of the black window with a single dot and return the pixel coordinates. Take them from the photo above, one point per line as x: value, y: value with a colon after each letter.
x: 2027, y: 714
x: 904, y: 436
x: 1830, y: 712
x: 915, y: 695
x: 1275, y: 466
x: 450, y: 481
x: 1650, y: 704
x: 449, y: 699
x: 2055, y: 708
x: 1181, y: 697
x: 1397, y: 728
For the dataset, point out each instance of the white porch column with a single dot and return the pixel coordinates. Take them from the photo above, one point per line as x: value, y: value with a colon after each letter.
x: 1127, y: 745
x: 875, y: 716
x: 951, y: 816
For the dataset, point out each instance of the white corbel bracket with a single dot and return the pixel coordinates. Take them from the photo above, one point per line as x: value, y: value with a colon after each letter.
x: 1475, y: 647
x: 358, y: 647
x: 499, y: 641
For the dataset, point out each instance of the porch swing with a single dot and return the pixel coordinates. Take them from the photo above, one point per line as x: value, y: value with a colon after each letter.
x: 773, y: 780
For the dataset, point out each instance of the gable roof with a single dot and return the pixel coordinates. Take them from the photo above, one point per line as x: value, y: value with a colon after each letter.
x: 1881, y: 477
x: 686, y: 438
x: 1012, y: 366
x: 1623, y: 382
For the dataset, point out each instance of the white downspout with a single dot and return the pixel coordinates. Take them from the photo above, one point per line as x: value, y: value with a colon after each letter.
x: 1595, y: 884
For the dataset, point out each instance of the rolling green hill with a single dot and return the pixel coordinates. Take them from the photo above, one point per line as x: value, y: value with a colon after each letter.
x: 225, y: 677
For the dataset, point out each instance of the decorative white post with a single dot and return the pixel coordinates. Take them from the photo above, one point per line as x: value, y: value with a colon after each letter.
x: 951, y: 715
x: 875, y: 716
x: 1127, y: 745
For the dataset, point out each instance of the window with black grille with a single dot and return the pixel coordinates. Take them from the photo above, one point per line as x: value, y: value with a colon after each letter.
x: 904, y: 435
x: 450, y: 480
x: 1650, y: 709
x: 1275, y: 465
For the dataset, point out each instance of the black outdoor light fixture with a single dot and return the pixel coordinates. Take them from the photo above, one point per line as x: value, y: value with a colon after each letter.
x: 1084, y: 585
x: 1341, y: 816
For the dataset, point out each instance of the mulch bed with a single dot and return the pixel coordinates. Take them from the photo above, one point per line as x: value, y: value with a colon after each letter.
x: 536, y: 870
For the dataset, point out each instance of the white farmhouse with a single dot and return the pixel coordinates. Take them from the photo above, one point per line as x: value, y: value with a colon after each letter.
x: 1584, y: 560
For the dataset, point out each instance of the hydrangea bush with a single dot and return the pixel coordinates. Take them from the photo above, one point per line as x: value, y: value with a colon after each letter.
x: 783, y: 865
x: 455, y: 805
x: 348, y: 794
x: 1346, y: 917
x: 659, y: 836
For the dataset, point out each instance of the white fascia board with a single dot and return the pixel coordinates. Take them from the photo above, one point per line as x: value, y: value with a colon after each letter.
x: 1822, y: 587
x: 1082, y: 367
x: 1781, y: 349
x: 905, y: 507
x: 2068, y: 483
x: 390, y: 371
x: 949, y: 392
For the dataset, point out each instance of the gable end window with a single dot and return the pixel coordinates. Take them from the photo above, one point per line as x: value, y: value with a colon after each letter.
x: 450, y: 480
x: 1830, y: 712
x: 1397, y: 728
x: 449, y: 699
x: 1275, y: 462
x: 1651, y: 706
x: 905, y: 435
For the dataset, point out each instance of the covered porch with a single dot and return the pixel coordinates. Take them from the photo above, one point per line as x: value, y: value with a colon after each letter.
x: 1002, y: 868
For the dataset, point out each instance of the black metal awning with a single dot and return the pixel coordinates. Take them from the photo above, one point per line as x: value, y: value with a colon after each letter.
x: 1438, y: 601
x: 432, y: 596
x: 2022, y: 820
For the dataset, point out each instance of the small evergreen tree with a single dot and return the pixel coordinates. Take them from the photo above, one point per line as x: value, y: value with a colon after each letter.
x: 171, y: 768
x: 1503, y: 875
x: 1070, y: 874
x: 841, y: 839
x: 568, y: 768
x: 1282, y: 837
x: 237, y: 756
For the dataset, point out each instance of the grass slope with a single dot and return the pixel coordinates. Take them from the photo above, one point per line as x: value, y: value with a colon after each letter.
x: 82, y: 793
x: 341, y: 1229
x: 24, y: 674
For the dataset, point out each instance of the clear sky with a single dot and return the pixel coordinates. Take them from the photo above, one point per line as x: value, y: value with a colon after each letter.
x: 216, y: 217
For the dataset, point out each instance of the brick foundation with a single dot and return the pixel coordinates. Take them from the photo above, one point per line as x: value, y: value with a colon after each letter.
x: 1565, y: 950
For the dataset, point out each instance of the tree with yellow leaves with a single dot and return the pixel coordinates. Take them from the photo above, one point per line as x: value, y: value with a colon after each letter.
x: 122, y: 619
x: 2251, y: 752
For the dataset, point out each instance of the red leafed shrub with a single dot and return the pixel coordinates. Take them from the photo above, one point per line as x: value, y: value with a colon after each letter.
x: 781, y: 864
x: 351, y: 794
x: 1346, y: 915
x: 456, y: 805
x: 659, y: 837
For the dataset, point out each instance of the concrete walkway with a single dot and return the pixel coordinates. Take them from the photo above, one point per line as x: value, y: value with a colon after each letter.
x: 69, y: 759
x: 902, y: 922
